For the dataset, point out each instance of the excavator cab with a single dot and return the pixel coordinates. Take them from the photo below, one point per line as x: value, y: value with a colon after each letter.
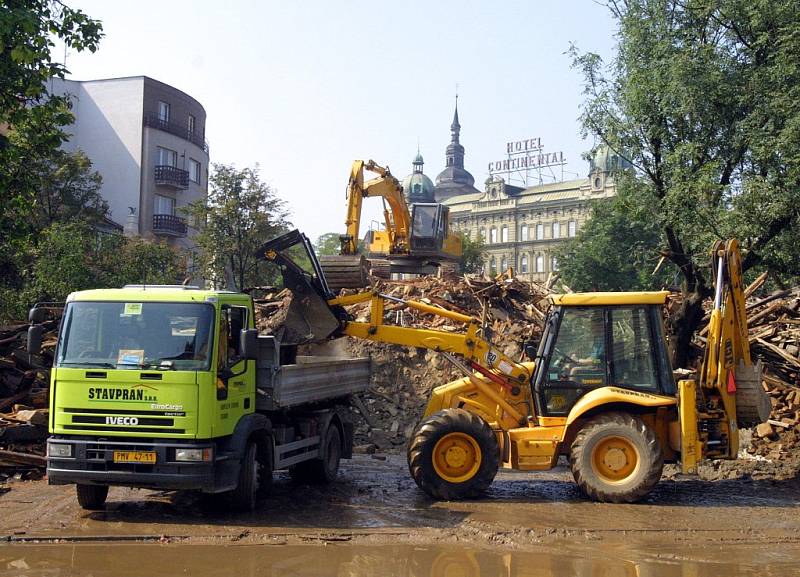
x: 429, y: 227
x: 584, y: 348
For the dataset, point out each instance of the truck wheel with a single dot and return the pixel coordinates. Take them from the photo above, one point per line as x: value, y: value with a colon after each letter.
x: 453, y: 454
x: 92, y: 497
x: 616, y: 458
x: 244, y: 495
x: 324, y: 470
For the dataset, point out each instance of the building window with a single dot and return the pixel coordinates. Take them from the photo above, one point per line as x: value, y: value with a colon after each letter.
x: 553, y: 263
x: 539, y: 231
x: 504, y: 235
x: 539, y: 263
x: 167, y: 157
x: 493, y: 236
x: 504, y: 265
x: 572, y: 228
x: 164, y: 205
x: 523, y: 233
x: 482, y: 233
x: 194, y: 170
x: 191, y: 124
x: 523, y: 264
x: 556, y: 229
x: 492, y: 266
x: 163, y: 111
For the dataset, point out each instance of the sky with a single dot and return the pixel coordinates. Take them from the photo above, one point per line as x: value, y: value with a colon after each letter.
x: 303, y: 88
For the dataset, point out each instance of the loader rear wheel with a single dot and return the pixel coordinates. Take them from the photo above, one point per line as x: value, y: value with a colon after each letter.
x: 616, y: 458
x: 453, y: 454
x: 92, y: 497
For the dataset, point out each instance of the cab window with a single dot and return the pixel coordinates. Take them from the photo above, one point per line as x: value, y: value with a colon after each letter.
x: 578, y: 359
x: 632, y: 363
x: 232, y: 320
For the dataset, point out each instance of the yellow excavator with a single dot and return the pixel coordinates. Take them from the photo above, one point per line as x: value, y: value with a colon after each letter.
x: 599, y: 388
x: 415, y: 240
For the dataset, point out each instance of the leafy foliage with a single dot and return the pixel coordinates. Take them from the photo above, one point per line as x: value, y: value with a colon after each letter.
x: 473, y: 254
x: 32, y: 117
x: 241, y: 213
x: 617, y: 251
x: 328, y: 244
x: 703, y: 98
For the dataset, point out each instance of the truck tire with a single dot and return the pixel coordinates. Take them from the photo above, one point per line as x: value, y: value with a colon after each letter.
x: 453, y: 454
x: 321, y: 471
x: 244, y: 495
x: 92, y: 497
x: 616, y: 458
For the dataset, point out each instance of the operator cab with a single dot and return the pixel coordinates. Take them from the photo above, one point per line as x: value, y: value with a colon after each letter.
x: 594, y: 340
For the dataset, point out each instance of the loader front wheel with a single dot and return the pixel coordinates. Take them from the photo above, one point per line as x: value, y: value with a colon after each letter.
x: 616, y: 458
x: 453, y: 454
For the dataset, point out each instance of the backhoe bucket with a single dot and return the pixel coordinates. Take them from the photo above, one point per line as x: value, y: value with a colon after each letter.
x: 752, y: 403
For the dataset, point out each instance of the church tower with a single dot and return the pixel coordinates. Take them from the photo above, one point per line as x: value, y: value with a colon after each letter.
x: 454, y: 179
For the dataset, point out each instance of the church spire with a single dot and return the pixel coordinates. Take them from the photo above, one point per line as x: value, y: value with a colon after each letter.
x: 455, y: 127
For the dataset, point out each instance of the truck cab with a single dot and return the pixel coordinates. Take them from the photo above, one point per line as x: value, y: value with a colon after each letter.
x: 156, y: 386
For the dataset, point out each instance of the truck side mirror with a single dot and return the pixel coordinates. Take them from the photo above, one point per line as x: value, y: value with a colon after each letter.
x: 248, y: 344
x: 34, y: 345
x: 530, y: 349
x: 37, y: 315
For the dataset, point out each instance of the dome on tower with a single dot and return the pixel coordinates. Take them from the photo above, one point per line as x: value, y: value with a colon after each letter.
x: 416, y: 186
x: 604, y: 159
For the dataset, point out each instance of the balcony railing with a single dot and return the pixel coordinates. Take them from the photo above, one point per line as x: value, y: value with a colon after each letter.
x: 171, y: 176
x: 169, y: 225
x: 152, y: 120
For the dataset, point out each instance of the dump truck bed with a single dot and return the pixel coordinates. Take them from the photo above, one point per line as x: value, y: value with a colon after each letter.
x: 310, y: 379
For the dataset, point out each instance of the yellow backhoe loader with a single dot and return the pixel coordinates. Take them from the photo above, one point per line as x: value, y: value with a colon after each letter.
x: 415, y: 240
x: 599, y: 389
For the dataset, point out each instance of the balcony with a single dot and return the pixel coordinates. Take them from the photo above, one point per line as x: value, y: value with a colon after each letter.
x: 171, y: 176
x: 169, y: 225
x: 152, y: 120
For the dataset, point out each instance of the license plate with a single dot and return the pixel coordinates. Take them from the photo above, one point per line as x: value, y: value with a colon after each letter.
x: 147, y: 457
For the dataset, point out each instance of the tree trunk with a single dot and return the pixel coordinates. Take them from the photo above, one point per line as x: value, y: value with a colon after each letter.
x: 682, y: 326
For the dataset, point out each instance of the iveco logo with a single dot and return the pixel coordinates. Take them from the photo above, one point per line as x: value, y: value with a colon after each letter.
x: 122, y: 421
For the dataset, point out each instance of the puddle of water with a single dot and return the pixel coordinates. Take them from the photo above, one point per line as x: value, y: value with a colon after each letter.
x: 350, y: 560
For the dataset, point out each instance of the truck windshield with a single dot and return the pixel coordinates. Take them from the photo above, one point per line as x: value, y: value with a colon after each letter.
x: 135, y: 335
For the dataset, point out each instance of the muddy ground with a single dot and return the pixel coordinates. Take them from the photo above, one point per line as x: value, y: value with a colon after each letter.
x: 374, y: 521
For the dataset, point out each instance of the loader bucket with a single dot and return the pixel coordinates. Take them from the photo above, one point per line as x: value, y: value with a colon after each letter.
x: 309, y: 318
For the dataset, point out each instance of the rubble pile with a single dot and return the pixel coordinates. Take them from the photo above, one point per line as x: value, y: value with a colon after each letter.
x: 24, y: 382
x: 774, y: 326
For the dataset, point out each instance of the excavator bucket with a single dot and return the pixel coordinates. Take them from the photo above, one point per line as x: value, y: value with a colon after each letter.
x: 310, y: 318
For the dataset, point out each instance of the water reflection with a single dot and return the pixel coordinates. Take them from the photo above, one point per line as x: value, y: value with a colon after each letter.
x: 347, y: 560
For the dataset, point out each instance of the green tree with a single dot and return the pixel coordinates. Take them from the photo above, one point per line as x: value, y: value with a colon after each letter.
x: 328, y: 244
x: 703, y: 98
x: 68, y: 190
x: 74, y: 256
x: 473, y: 254
x: 614, y: 250
x: 240, y: 214
x: 31, y: 119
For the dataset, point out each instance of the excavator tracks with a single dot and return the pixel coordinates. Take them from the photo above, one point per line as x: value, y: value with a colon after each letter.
x: 345, y: 271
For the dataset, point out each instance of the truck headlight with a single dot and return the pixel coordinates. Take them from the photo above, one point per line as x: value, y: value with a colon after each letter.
x: 59, y: 450
x: 193, y: 454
